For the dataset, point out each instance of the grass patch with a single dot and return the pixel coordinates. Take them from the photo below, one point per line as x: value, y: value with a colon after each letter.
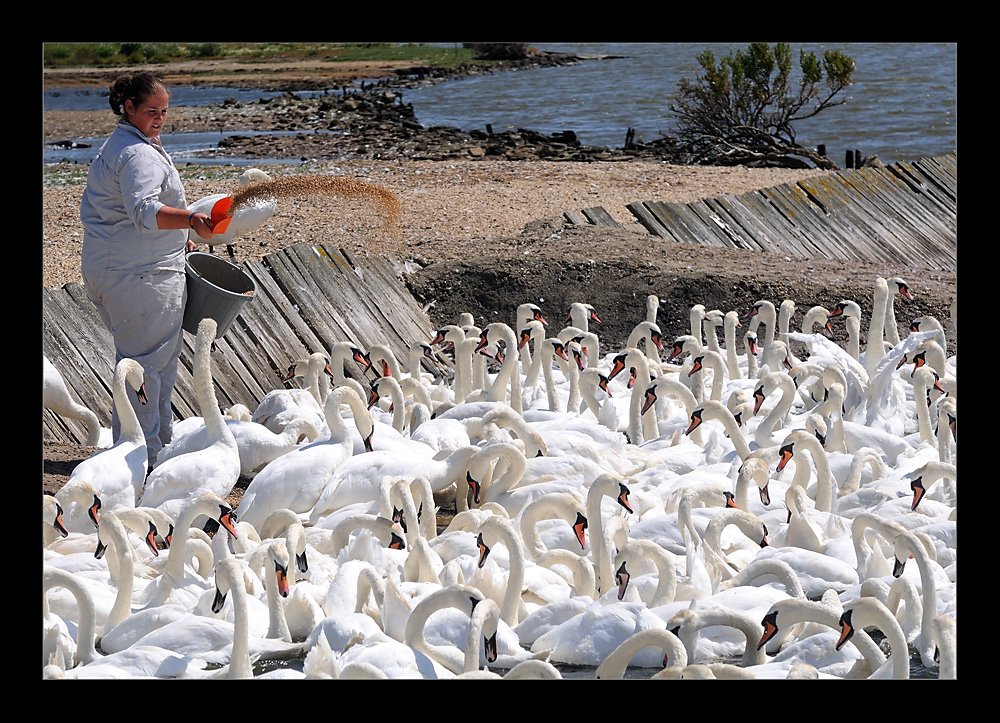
x: 61, y: 55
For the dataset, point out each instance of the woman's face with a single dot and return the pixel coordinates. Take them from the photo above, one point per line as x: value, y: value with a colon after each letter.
x: 150, y: 115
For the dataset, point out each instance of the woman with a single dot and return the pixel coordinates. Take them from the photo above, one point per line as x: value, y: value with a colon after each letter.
x: 136, y: 223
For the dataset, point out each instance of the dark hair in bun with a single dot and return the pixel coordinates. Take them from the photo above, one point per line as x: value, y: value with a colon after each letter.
x: 136, y: 88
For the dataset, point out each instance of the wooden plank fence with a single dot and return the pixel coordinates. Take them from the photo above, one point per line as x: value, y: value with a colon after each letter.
x: 905, y: 215
x: 311, y: 296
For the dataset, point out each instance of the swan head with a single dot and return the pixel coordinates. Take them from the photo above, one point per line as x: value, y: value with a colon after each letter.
x: 902, y: 287
x: 586, y: 311
x: 847, y: 308
x: 622, y: 577
x: 617, y: 366
x: 278, y: 554
x: 622, y: 498
x: 484, y: 550
x: 760, y: 306
x: 52, y: 513
x: 361, y: 358
x: 770, y: 625
x: 756, y: 469
x: 227, y: 575
x: 649, y: 398
x: 84, y: 494
x: 697, y: 417
x: 532, y: 312
x: 846, y: 628
x: 580, y: 530
x: 678, y: 347
x: 785, y: 453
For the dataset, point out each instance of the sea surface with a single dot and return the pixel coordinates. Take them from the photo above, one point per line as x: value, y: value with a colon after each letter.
x: 902, y: 106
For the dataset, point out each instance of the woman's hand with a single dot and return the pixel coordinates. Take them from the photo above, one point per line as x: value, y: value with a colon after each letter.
x: 202, y: 225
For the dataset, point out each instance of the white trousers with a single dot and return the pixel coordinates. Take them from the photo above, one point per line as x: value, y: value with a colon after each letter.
x: 144, y: 313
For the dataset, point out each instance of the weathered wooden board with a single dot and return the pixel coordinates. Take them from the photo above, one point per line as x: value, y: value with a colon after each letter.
x: 599, y: 216
x: 307, y: 298
x: 905, y: 214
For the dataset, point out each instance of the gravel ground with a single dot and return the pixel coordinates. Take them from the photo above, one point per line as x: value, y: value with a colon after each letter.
x: 451, y: 210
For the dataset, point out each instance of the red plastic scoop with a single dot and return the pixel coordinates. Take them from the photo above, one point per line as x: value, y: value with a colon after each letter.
x: 220, y: 221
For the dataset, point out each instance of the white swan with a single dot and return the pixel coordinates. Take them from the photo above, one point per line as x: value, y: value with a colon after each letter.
x: 794, y: 622
x: 216, y: 468
x: 297, y: 479
x: 776, y: 417
x: 639, y: 551
x: 947, y: 429
x: 273, y: 554
x: 946, y: 639
x: 175, y: 577
x: 714, y: 318
x: 500, y: 530
x: 52, y: 523
x: 280, y: 406
x: 713, y: 410
x: 672, y: 653
x: 243, y: 221
x: 556, y: 506
x: 613, y: 487
x: 649, y: 334
x: 875, y: 350
x: 927, y: 475
x: 530, y: 325
x: 801, y: 441
x: 896, y: 285
x: 763, y: 312
x: 462, y: 381
x: 142, y: 661
x: 905, y: 546
x: 112, y: 535
x: 56, y: 397
x: 850, y: 311
x: 509, y: 373
x: 723, y: 563
x: 868, y: 611
x: 640, y: 428
x: 730, y: 322
x: 689, y: 623
x: 463, y: 598
x: 119, y: 472
x: 357, y: 480
x: 581, y: 314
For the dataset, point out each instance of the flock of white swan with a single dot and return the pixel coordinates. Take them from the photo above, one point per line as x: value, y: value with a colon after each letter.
x: 768, y: 505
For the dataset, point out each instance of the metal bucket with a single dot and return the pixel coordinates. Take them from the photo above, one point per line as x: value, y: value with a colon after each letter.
x: 216, y: 289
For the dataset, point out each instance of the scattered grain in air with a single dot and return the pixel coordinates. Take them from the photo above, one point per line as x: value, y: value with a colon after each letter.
x: 316, y: 185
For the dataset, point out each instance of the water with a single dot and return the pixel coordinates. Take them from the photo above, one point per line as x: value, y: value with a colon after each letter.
x: 182, y: 147
x: 903, y: 105
x: 97, y: 99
